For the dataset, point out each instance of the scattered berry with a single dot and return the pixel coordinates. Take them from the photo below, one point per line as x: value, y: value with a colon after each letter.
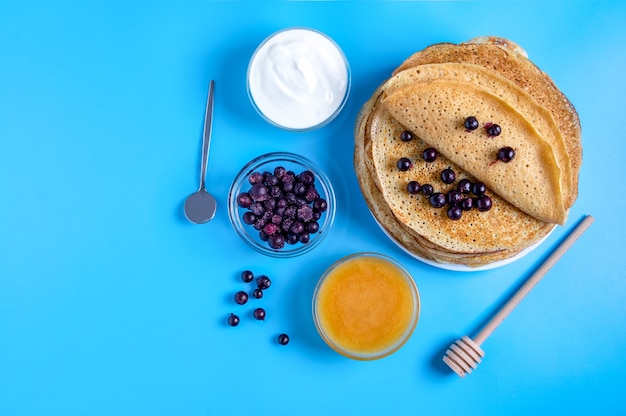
x: 241, y: 297
x: 257, y: 293
x: 233, y: 320
x: 430, y: 154
x: 406, y: 136
x: 464, y: 185
x: 413, y: 187
x: 448, y: 176
x: 470, y: 123
x: 437, y: 200
x: 283, y: 339
x: 403, y: 164
x: 454, y: 197
x: 263, y: 282
x: 455, y: 212
x: 467, y: 204
x: 493, y: 130
x: 478, y: 189
x: 259, y: 313
x: 483, y: 203
x: 506, y: 154
x: 427, y: 189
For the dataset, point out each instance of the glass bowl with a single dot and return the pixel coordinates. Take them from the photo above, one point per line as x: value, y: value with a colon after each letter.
x: 254, y: 233
x: 366, y: 306
x: 298, y: 79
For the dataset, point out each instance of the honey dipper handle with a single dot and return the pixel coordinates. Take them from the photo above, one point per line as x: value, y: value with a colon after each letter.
x: 533, y: 280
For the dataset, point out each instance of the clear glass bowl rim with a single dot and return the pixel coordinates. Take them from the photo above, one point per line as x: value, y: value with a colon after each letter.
x: 323, y: 185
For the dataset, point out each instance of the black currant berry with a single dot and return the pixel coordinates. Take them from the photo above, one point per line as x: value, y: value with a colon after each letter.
x: 506, y: 154
x: 283, y: 339
x: 241, y: 297
x: 470, y: 123
x: 233, y: 320
x: 263, y: 282
x: 259, y: 314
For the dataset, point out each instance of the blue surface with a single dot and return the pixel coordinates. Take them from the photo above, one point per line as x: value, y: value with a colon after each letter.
x: 112, y: 304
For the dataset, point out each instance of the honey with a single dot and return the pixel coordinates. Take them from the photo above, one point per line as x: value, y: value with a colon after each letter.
x: 366, y: 306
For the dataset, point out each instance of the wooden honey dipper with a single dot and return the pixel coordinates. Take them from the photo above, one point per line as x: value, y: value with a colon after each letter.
x: 465, y: 354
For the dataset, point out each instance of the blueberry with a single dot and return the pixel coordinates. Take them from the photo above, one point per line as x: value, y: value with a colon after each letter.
x: 455, y: 212
x: 427, y: 189
x: 320, y: 205
x: 311, y: 194
x: 312, y: 227
x: 430, y: 154
x: 259, y: 313
x: 291, y: 238
x: 406, y: 136
x: 307, y: 177
x: 448, y: 176
x: 257, y: 293
x: 470, y: 123
x: 454, y: 197
x: 259, y: 192
x: 305, y: 213
x: 241, y: 297
x: 506, y: 154
x: 437, y: 200
x: 233, y: 320
x: 270, y: 228
x: 464, y: 185
x: 478, y: 189
x: 304, y: 238
x: 244, y: 200
x: 493, y: 130
x: 467, y: 204
x: 276, y: 241
x: 247, y: 276
x: 297, y: 228
x: 263, y: 282
x: 403, y: 164
x: 484, y: 203
x: 279, y: 172
x: 283, y: 339
x: 255, y: 177
x: 249, y: 218
x: 413, y: 187
x: 299, y: 188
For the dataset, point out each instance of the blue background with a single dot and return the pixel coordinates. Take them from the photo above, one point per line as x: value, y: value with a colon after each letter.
x: 111, y: 303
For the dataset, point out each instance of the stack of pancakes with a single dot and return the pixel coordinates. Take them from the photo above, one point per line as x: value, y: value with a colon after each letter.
x: 430, y: 95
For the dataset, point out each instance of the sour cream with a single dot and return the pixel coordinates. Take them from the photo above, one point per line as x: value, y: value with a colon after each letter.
x: 298, y: 79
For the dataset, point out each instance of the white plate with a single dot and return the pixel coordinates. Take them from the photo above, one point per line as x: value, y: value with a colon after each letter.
x: 462, y: 267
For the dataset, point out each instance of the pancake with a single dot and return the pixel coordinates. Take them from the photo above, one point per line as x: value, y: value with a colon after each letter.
x: 498, y: 71
x: 508, y: 60
x: 537, y: 115
x: 477, y: 239
x: 531, y: 181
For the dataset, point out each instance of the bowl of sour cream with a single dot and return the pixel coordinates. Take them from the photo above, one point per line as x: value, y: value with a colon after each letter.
x: 298, y: 79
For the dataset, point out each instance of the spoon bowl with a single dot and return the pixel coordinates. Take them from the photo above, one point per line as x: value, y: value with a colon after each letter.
x: 200, y: 207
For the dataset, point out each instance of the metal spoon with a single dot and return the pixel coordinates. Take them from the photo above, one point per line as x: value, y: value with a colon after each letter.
x: 200, y: 206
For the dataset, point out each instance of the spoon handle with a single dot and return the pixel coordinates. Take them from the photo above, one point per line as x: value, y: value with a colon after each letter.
x: 534, y: 279
x: 206, y: 135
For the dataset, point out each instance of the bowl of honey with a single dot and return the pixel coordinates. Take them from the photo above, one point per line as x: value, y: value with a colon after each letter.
x: 366, y: 306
